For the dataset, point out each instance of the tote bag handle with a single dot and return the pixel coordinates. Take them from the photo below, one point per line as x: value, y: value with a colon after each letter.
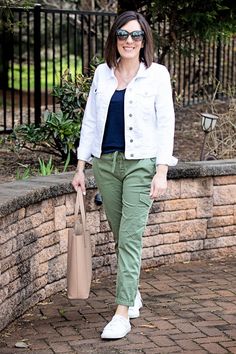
x: 79, y: 206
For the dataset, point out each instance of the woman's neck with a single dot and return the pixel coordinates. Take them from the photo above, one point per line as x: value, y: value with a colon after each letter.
x: 125, y: 71
x: 128, y: 66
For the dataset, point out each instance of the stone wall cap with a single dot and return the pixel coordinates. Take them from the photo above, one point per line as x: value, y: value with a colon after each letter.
x: 20, y: 194
x: 194, y: 169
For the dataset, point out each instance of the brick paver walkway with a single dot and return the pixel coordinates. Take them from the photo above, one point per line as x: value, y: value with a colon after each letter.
x: 188, y: 308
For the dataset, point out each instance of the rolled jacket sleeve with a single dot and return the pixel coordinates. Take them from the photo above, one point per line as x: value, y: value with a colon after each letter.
x: 165, y: 121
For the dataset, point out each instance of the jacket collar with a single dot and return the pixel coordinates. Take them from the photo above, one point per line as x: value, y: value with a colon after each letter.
x: 142, y: 71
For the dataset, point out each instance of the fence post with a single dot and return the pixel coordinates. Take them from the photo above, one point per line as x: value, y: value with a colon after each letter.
x: 218, y: 62
x: 37, y: 64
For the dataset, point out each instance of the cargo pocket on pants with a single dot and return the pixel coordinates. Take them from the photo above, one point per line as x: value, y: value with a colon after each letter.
x: 145, y: 198
x: 145, y: 205
x: 138, y: 219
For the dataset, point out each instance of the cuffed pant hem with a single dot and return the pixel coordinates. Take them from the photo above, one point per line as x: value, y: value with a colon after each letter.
x: 124, y: 302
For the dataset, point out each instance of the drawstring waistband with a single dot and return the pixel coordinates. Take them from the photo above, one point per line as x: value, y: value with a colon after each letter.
x: 112, y: 157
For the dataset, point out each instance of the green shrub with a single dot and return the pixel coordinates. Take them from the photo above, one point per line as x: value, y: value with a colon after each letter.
x: 60, y: 131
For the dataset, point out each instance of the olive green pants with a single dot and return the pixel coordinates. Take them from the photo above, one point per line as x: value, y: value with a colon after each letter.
x: 125, y: 187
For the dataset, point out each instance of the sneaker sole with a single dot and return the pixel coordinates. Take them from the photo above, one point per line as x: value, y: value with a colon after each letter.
x: 135, y: 315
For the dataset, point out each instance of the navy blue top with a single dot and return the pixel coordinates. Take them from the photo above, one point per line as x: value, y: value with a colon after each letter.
x: 114, y: 134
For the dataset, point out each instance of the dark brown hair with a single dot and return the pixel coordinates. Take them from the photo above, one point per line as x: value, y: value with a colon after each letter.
x: 111, y: 52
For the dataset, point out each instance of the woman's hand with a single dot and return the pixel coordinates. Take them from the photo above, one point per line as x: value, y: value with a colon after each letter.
x: 79, y: 177
x: 159, y: 182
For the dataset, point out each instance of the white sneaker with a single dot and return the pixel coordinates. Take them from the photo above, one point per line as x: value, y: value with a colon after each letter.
x: 134, y: 310
x: 117, y: 328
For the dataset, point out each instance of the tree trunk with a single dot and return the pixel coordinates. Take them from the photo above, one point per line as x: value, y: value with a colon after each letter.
x: 88, y: 50
x: 4, y: 63
x: 5, y: 52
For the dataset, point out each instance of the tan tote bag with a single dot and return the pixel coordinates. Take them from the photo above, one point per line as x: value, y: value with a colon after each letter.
x: 79, y: 257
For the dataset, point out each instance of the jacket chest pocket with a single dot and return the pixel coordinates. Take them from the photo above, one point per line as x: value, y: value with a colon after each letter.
x: 100, y: 98
x: 146, y: 103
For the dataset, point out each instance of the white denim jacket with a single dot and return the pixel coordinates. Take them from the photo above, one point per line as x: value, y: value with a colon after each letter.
x: 148, y: 114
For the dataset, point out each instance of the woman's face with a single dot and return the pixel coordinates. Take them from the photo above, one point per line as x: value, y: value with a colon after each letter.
x: 130, y: 48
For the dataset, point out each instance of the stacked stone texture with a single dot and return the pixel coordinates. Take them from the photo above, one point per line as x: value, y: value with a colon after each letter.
x: 195, y: 220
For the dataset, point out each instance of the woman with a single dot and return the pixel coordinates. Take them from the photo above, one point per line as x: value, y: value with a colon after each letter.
x: 128, y: 130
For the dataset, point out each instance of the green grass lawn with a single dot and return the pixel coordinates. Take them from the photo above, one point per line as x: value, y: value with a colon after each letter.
x: 50, y: 83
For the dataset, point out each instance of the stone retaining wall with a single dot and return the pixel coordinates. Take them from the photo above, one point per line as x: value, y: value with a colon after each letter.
x: 195, y: 220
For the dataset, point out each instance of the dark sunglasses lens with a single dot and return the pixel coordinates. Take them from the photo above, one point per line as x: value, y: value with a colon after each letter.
x: 137, y: 35
x: 122, y: 35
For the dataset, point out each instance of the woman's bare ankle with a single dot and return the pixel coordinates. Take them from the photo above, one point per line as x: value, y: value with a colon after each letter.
x: 122, y: 310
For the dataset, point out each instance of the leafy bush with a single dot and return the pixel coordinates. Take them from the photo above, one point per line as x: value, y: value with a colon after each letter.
x: 60, y: 131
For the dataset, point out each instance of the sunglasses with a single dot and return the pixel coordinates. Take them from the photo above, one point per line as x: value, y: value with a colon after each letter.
x: 123, y: 35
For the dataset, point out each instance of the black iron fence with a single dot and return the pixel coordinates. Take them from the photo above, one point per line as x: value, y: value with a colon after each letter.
x: 42, y: 43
